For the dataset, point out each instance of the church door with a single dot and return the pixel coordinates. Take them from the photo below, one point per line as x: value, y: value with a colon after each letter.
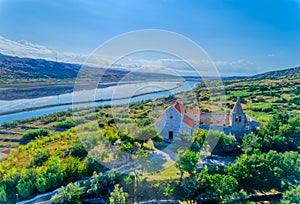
x: 170, y: 135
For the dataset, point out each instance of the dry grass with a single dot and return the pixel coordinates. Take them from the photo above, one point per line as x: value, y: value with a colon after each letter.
x: 166, y: 174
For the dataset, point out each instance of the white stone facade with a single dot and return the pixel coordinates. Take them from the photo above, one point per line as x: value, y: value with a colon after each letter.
x: 177, y: 119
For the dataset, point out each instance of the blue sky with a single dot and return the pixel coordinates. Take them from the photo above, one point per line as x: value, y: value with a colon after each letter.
x: 242, y: 37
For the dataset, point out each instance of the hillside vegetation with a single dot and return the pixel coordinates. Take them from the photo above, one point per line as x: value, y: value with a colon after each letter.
x: 64, y: 147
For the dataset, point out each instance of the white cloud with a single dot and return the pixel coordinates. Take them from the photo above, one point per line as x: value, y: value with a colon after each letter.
x: 158, y: 65
x: 24, y: 48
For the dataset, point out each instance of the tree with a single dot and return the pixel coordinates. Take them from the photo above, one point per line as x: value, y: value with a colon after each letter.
x: 266, y: 171
x: 112, y: 135
x: 147, y: 133
x: 51, y: 177
x: 69, y: 194
x: 187, y: 162
x: 118, y: 196
x: 280, y: 133
x: 40, y: 157
x: 79, y: 151
x: 26, y: 185
x: 292, y: 195
x: 101, y: 184
x: 9, y: 183
x: 252, y: 144
x: 217, y: 187
x: 199, y: 136
x: 74, y: 169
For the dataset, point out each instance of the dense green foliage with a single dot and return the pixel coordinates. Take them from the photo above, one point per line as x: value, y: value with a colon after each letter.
x: 292, y: 195
x: 69, y: 194
x: 220, y: 143
x: 40, y: 157
x: 51, y: 177
x: 187, y: 162
x: 279, y: 134
x: 101, y: 184
x: 32, y: 134
x: 66, y: 124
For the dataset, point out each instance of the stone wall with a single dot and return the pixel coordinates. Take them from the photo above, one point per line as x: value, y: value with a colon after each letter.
x: 222, y: 119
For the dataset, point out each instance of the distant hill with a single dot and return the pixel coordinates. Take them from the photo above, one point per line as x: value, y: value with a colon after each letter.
x: 290, y: 72
x: 21, y: 70
x: 16, y: 70
x: 30, y: 78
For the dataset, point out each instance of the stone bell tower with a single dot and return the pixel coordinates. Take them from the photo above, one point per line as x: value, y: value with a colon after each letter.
x: 238, y: 119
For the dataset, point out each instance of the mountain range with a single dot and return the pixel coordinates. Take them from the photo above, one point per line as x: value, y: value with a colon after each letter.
x: 29, y: 78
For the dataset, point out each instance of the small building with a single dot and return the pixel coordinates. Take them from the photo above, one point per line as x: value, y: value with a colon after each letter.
x: 4, y: 153
x: 177, y: 119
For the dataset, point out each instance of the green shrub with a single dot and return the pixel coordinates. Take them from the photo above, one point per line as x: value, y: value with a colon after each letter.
x: 26, y: 187
x: 69, y: 194
x: 101, y: 124
x: 126, y: 147
x: 10, y: 124
x: 74, y: 169
x: 295, y: 100
x: 51, y: 177
x: 78, y: 121
x: 32, y: 134
x: 40, y: 157
x: 66, y: 124
x: 79, y: 151
x: 91, y: 116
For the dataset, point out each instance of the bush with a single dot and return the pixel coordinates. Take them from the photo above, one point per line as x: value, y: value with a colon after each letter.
x: 10, y: 124
x: 118, y: 196
x: 91, y: 164
x: 91, y: 116
x: 66, y: 124
x: 110, y: 121
x: 32, y: 134
x: 292, y: 195
x: 74, y: 169
x: 26, y: 187
x: 70, y: 194
x: 101, y: 124
x: 79, y: 151
x: 100, y: 185
x: 40, y: 157
x: 78, y: 121
x: 111, y: 135
x: 295, y: 100
x: 51, y: 177
x: 9, y: 183
x: 126, y: 147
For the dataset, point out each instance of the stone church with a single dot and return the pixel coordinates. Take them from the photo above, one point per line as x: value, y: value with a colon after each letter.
x: 178, y: 119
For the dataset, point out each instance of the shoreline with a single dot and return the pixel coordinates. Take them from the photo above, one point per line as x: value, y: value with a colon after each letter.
x: 81, y: 102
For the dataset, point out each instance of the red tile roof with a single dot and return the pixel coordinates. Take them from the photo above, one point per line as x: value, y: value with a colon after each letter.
x: 187, y: 120
x: 179, y: 107
x: 192, y: 111
x: 6, y: 151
